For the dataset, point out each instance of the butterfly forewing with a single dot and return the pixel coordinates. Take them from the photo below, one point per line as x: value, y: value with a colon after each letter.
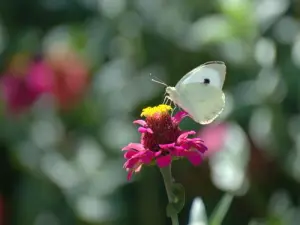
x: 215, y: 71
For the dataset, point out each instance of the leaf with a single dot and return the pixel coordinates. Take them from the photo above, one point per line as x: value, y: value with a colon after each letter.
x: 221, y: 210
x: 179, y: 200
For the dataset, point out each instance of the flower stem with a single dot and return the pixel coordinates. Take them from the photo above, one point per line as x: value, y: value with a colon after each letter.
x: 168, y: 180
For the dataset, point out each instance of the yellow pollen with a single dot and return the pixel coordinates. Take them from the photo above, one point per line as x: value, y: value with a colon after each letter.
x: 150, y: 111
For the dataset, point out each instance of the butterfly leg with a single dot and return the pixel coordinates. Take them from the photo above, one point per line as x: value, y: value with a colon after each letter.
x: 173, y: 110
x: 165, y: 100
x: 168, y: 101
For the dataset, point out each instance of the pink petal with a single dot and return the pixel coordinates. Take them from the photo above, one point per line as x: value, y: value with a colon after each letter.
x: 196, y: 140
x: 164, y: 161
x: 145, y: 130
x: 134, y: 146
x: 179, y: 116
x: 130, y: 163
x: 147, y: 157
x: 129, y: 175
x: 214, y: 137
x: 201, y: 148
x: 129, y: 154
x: 167, y: 146
x: 178, y: 151
x: 137, y: 168
x: 156, y: 154
x: 185, y: 135
x: 140, y: 122
x: 194, y: 157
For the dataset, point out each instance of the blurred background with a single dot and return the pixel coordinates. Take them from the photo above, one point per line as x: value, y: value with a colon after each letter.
x: 75, y: 74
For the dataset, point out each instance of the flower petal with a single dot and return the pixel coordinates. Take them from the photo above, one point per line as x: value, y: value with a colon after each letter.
x: 134, y: 146
x: 145, y: 130
x: 214, y: 136
x: 147, y: 157
x: 200, y: 147
x: 137, y: 168
x: 129, y: 154
x: 131, y: 163
x: 184, y: 135
x: 178, y: 151
x: 179, y: 116
x: 194, y: 157
x: 140, y: 122
x: 129, y: 175
x: 156, y: 154
x: 164, y: 161
x: 167, y: 146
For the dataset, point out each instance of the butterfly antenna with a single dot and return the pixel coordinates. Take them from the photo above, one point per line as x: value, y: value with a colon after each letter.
x: 157, y: 80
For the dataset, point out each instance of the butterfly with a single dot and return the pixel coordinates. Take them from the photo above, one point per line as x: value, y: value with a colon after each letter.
x: 199, y: 92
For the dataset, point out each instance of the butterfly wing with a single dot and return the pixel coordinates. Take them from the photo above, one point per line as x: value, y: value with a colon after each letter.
x: 203, y: 102
x: 213, y: 71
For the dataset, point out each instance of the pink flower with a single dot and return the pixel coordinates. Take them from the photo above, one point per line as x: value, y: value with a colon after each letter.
x: 214, y: 137
x: 161, y: 141
x: 21, y: 90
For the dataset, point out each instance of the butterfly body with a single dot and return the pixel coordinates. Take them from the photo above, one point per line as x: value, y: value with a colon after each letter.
x: 200, y: 93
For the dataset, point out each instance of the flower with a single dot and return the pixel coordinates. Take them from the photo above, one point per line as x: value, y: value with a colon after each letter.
x: 71, y: 75
x: 161, y: 141
x: 24, y: 82
x: 214, y: 137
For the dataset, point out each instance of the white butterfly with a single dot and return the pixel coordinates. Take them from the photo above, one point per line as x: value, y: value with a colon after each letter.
x: 199, y: 92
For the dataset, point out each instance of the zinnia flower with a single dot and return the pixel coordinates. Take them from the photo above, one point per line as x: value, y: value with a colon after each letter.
x: 161, y: 141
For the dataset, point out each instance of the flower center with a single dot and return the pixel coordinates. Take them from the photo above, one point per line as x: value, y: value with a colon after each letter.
x: 165, y: 130
x: 151, y: 111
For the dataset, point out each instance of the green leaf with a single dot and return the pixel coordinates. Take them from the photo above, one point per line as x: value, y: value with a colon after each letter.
x: 179, y: 200
x: 221, y: 210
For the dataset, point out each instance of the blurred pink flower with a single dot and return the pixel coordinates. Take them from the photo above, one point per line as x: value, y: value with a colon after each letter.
x: 214, y: 137
x: 22, y: 87
x: 161, y: 141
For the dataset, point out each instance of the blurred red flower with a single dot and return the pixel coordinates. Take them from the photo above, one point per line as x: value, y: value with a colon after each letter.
x: 70, y: 76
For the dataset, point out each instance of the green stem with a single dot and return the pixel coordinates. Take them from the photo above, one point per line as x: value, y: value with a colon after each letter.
x: 168, y: 180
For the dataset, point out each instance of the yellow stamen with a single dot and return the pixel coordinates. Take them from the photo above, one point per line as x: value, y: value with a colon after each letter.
x: 150, y: 111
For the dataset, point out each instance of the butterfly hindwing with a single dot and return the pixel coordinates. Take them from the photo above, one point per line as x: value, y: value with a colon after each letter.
x: 204, y: 103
